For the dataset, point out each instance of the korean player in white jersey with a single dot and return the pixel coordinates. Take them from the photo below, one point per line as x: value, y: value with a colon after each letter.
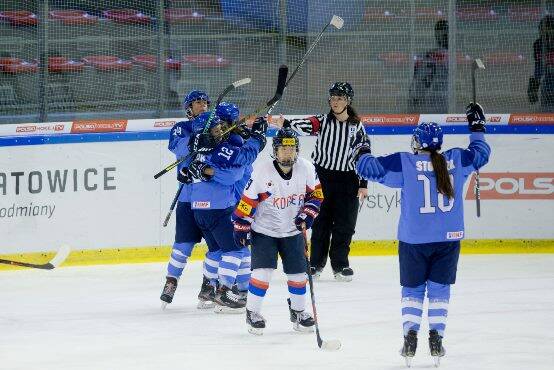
x: 282, y: 197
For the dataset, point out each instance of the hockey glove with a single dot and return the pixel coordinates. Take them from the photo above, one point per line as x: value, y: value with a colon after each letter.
x: 306, y: 216
x: 475, y: 117
x: 533, y: 90
x: 183, y: 176
x: 201, y: 143
x: 258, y: 130
x: 196, y: 170
x: 360, y: 146
x: 241, y: 232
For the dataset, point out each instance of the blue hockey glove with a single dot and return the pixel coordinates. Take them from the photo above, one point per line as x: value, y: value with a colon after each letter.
x: 475, y: 117
x: 306, y: 216
x: 241, y: 232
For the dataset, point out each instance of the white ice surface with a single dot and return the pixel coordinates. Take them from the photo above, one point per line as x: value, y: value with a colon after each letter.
x: 108, y: 317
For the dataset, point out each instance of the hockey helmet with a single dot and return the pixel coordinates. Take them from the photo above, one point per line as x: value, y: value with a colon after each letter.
x: 427, y: 136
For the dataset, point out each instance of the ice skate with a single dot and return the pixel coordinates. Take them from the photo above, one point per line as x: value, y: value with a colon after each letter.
x: 315, y: 272
x: 435, y: 347
x: 301, y: 320
x: 255, y: 322
x: 409, y: 349
x: 226, y: 301
x: 206, y: 296
x: 345, y: 274
x: 168, y: 291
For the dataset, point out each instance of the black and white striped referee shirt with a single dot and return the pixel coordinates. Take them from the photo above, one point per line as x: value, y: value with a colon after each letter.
x: 334, y: 140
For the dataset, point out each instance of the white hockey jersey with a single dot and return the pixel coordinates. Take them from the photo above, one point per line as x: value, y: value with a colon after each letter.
x: 271, y: 202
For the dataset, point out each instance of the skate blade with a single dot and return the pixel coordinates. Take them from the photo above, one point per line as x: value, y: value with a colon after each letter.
x: 164, y: 305
x: 331, y: 345
x: 303, y: 329
x: 437, y: 361
x: 205, y: 305
x: 227, y: 310
x: 408, y: 361
x: 343, y: 279
x: 255, y: 331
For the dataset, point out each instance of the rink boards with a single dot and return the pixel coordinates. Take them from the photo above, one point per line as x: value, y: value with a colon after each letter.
x: 95, y: 191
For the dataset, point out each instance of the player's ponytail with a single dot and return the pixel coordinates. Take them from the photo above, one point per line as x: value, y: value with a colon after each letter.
x: 444, y: 186
x: 352, y: 114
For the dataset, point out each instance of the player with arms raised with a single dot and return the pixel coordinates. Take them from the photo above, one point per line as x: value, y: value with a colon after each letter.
x: 431, y: 219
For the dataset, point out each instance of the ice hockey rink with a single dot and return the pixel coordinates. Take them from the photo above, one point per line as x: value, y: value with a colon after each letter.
x: 109, y: 317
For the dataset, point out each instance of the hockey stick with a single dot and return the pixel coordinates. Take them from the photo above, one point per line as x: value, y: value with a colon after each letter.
x: 477, y: 64
x: 262, y: 110
x: 329, y: 345
x: 57, y: 260
x: 336, y: 22
x: 166, y: 221
x: 227, y: 90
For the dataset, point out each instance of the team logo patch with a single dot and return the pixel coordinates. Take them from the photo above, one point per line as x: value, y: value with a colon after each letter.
x: 454, y: 235
x: 318, y: 193
x: 244, y: 207
x: 198, y: 204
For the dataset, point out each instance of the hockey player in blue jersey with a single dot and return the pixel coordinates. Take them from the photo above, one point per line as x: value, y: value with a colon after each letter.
x: 431, y: 221
x: 213, y: 200
x: 187, y: 233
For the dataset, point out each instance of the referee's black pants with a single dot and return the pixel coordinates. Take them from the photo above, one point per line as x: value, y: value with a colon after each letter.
x: 334, y: 226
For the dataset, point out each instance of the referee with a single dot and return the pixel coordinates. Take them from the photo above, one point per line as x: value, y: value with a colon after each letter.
x: 342, y: 189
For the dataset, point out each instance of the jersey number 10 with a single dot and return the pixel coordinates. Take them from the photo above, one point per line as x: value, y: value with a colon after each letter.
x: 427, y: 207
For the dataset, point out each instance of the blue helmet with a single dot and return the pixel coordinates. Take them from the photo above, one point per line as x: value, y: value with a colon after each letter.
x: 192, y: 96
x: 427, y: 135
x: 199, y: 122
x: 228, y: 112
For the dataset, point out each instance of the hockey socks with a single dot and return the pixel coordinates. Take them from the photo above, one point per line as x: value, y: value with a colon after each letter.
x: 211, y: 265
x: 412, y: 307
x: 439, y: 296
x: 243, y: 275
x: 228, y: 268
x: 259, y: 283
x: 178, y: 260
x: 297, y: 290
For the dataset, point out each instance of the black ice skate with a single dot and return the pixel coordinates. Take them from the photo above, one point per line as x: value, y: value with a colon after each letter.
x: 207, y: 295
x: 227, y: 301
x: 345, y: 274
x: 435, y: 347
x: 255, y: 322
x: 315, y: 272
x: 168, y: 291
x: 410, y: 345
x: 301, y: 320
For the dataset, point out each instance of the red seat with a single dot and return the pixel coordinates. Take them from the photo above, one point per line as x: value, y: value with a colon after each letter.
x: 504, y: 58
x: 19, y: 17
x: 151, y: 62
x: 73, y: 17
x: 524, y: 14
x: 378, y: 14
x: 477, y: 13
x: 182, y: 15
x: 429, y: 14
x: 128, y: 16
x: 16, y: 65
x: 62, y: 64
x: 108, y: 63
x: 207, y: 61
